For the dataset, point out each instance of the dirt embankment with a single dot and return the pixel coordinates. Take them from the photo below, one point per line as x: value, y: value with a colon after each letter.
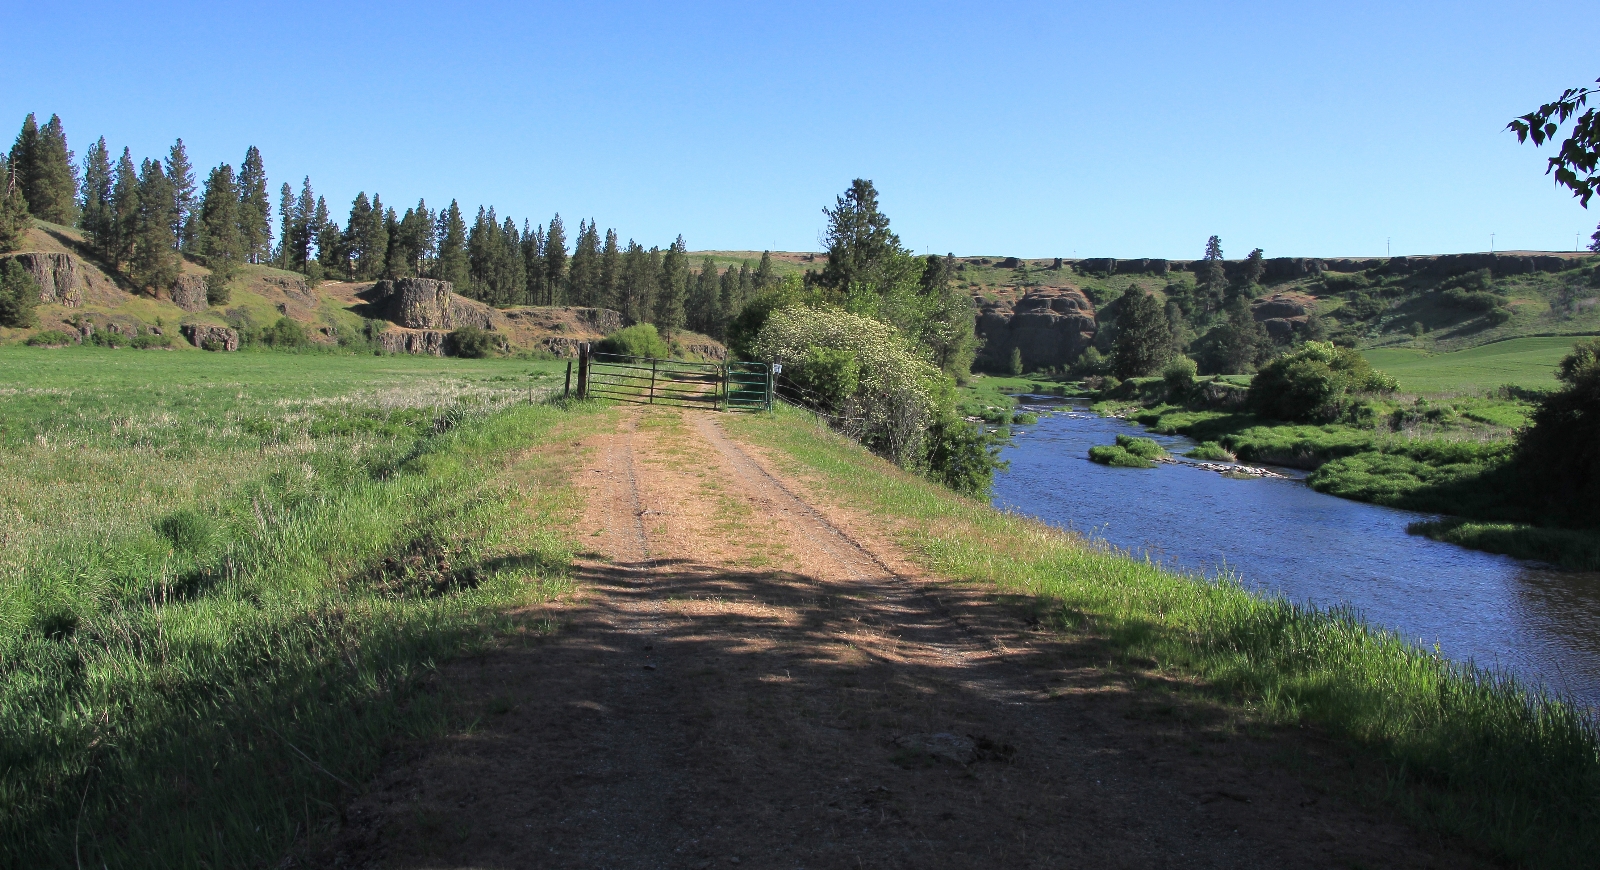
x: 749, y: 679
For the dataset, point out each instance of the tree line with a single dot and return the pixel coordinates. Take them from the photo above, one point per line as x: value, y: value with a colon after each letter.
x: 141, y: 217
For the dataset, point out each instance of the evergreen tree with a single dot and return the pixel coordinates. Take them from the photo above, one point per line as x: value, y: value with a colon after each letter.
x: 218, y: 232
x: 180, y: 173
x: 555, y: 262
x: 99, y: 216
x: 1144, y: 337
x: 1238, y: 346
x: 672, y: 287
x: 765, y: 276
x: 610, y: 272
x: 863, y: 253
x: 511, y: 276
x: 14, y: 219
x: 533, y: 264
x: 729, y: 299
x: 703, y: 308
x: 412, y: 245
x: 583, y: 273
x: 285, y: 227
x: 1213, y: 276
x: 483, y: 242
x: 45, y: 173
x: 1254, y: 267
x: 19, y: 293
x: 394, y: 253
x: 329, y: 239
x: 636, y: 289
x: 452, y: 235
x: 377, y: 254
x: 125, y: 208
x: 255, y: 211
x: 303, y: 230
x: 153, y: 263
x: 357, y: 232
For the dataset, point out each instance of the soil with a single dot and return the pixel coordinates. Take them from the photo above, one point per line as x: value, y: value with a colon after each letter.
x: 753, y: 677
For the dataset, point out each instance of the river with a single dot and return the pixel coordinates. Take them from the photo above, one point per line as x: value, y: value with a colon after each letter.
x: 1278, y: 535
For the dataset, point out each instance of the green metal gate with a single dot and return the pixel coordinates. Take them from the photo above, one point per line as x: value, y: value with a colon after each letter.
x: 715, y: 386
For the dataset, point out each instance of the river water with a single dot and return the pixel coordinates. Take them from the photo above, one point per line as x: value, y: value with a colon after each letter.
x: 1278, y: 535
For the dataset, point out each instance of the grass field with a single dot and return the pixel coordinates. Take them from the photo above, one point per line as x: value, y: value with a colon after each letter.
x: 224, y: 577
x: 1521, y: 362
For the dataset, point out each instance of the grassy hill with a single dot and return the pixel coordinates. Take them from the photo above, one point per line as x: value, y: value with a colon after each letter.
x: 1522, y: 362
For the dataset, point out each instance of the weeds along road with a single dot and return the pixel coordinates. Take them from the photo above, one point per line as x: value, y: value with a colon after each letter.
x: 750, y: 676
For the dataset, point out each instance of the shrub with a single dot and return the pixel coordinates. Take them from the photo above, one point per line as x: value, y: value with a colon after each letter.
x: 470, y: 342
x: 285, y: 333
x: 1470, y: 300
x: 1179, y: 375
x: 639, y: 341
x: 49, y: 338
x: 1144, y: 448
x: 1111, y: 454
x: 107, y: 338
x: 1313, y: 383
x: 826, y: 378
x: 1479, y: 280
x: 1559, y: 454
x: 1212, y: 452
x: 217, y: 292
x: 1090, y: 362
x: 1014, y: 365
x: 150, y: 340
x: 19, y: 296
x: 1336, y: 281
x: 962, y: 456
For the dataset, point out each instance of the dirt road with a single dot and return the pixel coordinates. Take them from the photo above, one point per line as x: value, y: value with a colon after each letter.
x: 752, y: 678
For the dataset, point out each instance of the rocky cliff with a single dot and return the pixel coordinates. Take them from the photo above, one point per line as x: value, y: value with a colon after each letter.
x: 57, y: 277
x: 1051, y: 326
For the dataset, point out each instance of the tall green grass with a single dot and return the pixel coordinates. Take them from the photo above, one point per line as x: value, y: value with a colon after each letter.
x: 197, y: 673
x: 1468, y: 753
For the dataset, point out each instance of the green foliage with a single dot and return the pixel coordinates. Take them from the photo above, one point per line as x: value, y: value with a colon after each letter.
x: 42, y: 164
x: 1120, y: 457
x: 748, y: 323
x: 1574, y: 164
x: 255, y: 224
x: 1236, y: 346
x: 221, y: 243
x: 49, y: 338
x: 962, y: 456
x: 1574, y: 550
x: 1559, y: 454
x: 1211, y: 451
x: 153, y: 256
x: 14, y: 218
x: 150, y: 341
x: 1339, y: 281
x: 1315, y: 383
x: 640, y: 341
x: 1015, y: 364
x: 672, y: 288
x: 19, y: 295
x: 188, y: 531
x: 470, y: 342
x: 1179, y: 376
x: 284, y: 334
x: 1144, y: 336
x: 1145, y: 448
x: 826, y: 378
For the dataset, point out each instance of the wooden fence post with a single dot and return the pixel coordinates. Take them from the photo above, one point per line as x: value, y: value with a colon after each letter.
x: 567, y: 393
x: 583, y: 370
x: 652, y: 382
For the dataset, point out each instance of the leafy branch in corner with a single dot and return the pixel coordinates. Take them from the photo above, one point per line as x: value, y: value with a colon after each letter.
x: 1574, y: 164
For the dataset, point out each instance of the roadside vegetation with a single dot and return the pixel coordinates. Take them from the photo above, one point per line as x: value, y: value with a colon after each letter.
x: 224, y: 580
x: 1464, y: 753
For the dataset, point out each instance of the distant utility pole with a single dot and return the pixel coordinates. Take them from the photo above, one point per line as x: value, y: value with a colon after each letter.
x: 1386, y: 247
x: 1491, y: 243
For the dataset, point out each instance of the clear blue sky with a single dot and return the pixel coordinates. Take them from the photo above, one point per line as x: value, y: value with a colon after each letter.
x: 1046, y: 129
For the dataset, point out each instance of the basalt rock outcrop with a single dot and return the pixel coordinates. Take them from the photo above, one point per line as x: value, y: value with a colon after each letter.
x: 424, y: 303
x: 1051, y: 326
x: 57, y: 276
x: 1282, y: 314
x: 428, y: 341
x: 210, y: 337
x: 189, y: 293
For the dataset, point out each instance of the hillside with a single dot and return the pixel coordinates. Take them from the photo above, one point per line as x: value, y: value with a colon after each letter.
x: 95, y: 299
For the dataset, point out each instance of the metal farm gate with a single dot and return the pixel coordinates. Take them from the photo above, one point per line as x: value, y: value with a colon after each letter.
x: 728, y: 386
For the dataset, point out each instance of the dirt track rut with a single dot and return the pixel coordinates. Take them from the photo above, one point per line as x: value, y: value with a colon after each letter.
x: 746, y: 681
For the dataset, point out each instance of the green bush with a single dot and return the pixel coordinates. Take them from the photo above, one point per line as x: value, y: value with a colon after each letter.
x: 19, y: 295
x: 286, y: 333
x: 1014, y: 365
x: 1479, y: 280
x: 470, y: 342
x: 1179, y: 375
x: 150, y: 340
x: 1111, y: 454
x: 640, y: 341
x: 1336, y: 281
x: 49, y: 338
x: 1144, y: 448
x: 1559, y: 454
x: 1314, y: 383
x: 107, y: 338
x: 1211, y: 451
x: 962, y: 456
x: 826, y: 378
x: 1470, y: 300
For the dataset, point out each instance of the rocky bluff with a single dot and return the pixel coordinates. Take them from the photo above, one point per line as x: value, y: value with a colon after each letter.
x: 1051, y: 326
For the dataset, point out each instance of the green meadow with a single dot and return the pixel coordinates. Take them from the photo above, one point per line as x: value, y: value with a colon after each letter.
x: 1529, y: 363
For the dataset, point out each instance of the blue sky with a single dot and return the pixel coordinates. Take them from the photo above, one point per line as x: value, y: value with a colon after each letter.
x: 1026, y: 129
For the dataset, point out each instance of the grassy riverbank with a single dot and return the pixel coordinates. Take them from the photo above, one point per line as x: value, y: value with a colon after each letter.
x: 1463, y: 753
x: 225, y: 577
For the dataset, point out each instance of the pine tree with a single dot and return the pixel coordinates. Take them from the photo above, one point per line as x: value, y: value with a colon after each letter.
x: 99, y: 216
x: 1241, y: 344
x: 672, y: 287
x: 765, y: 277
x: 394, y: 252
x: 377, y: 254
x: 356, y: 241
x: 303, y: 229
x: 180, y: 173
x: 481, y: 243
x: 1144, y: 337
x: 636, y: 289
x: 610, y: 272
x: 218, y: 236
x: 413, y: 243
x: 255, y: 211
x: 125, y: 208
x: 533, y: 264
x: 861, y: 248
x: 452, y: 234
x: 329, y: 239
x: 583, y: 273
x: 45, y: 173
x: 511, y: 276
x: 729, y: 298
x: 1213, y: 276
x: 14, y: 219
x: 285, y: 227
x: 1254, y: 267
x: 747, y: 286
x: 947, y: 318
x: 555, y: 262
x: 153, y: 263
x: 703, y: 308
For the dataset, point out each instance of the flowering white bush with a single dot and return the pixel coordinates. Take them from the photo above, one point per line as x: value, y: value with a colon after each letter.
x: 893, y: 402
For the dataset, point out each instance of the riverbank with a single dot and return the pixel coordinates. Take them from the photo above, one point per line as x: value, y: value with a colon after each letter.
x: 1462, y: 752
